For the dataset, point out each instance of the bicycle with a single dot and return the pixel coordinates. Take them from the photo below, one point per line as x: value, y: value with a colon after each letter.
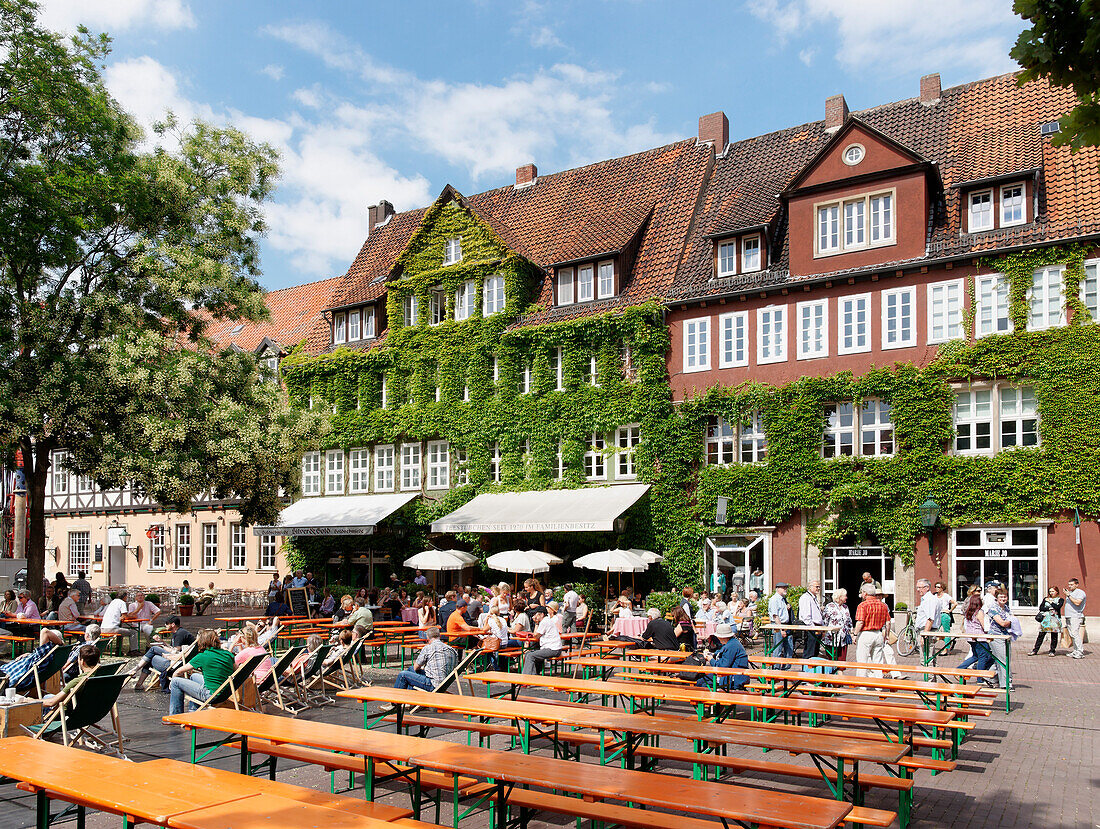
x: 907, y: 636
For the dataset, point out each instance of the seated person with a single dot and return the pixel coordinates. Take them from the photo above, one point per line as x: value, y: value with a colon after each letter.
x: 112, y: 619
x: 206, y: 599
x: 659, y: 632
x: 19, y: 672
x: 724, y: 651
x: 328, y: 603
x: 457, y: 625
x: 72, y: 665
x: 299, y: 664
x: 705, y: 613
x: 433, y: 664
x: 144, y: 612
x: 250, y: 647
x: 215, y: 665
x: 362, y: 616
x: 346, y: 608
x: 87, y: 658
x: 343, y: 641
x: 160, y: 657
x: 69, y: 610
x: 278, y: 606
x: 547, y: 636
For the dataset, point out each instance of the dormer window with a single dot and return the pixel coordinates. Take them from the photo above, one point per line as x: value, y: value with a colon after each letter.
x: 742, y: 255
x: 1012, y: 205
x: 452, y: 251
x: 607, y: 280
x: 368, y: 323
x: 981, y: 211
x: 727, y: 258
x: 565, y: 286
x: 868, y: 221
x: 750, y: 254
x: 339, y: 328
x: 585, y: 283
x: 353, y: 324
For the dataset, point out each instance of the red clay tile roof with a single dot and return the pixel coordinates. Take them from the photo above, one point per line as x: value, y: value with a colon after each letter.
x: 295, y: 313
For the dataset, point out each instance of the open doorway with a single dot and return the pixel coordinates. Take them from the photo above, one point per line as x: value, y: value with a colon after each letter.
x: 845, y: 566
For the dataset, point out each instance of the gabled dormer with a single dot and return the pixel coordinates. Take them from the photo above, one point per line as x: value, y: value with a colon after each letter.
x: 862, y: 200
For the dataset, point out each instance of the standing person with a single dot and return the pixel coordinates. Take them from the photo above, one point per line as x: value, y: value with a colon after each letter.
x: 809, y: 614
x: 60, y: 590
x: 447, y: 607
x: 872, y: 619
x: 273, y: 587
x: 947, y: 606
x: 974, y: 624
x: 433, y: 664
x: 85, y: 589
x: 426, y: 616
x: 569, y: 603
x: 1051, y: 622
x: 1002, y: 622
x: 112, y: 619
x: 779, y: 613
x: 420, y: 579
x: 837, y: 614
x: 687, y: 595
x: 582, y: 611
x: 547, y: 637
x: 215, y: 665
x: 1075, y: 615
x: 928, y: 611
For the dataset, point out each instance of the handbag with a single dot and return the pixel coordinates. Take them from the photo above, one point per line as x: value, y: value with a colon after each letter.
x: 891, y: 637
x: 490, y: 644
x: 1065, y: 640
x: 691, y: 676
x: 1040, y: 616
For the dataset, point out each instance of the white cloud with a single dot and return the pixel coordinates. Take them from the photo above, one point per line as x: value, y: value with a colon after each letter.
x: 543, y: 37
x: 807, y: 56
x: 148, y: 90
x: 903, y: 36
x: 116, y: 15
x: 274, y: 71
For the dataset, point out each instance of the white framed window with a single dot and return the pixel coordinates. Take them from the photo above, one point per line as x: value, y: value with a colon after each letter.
x: 771, y: 334
x: 994, y: 418
x: 868, y: 221
x: 383, y: 468
x: 238, y: 549
x: 585, y: 283
x: 991, y: 315
x: 311, y: 473
x: 854, y: 322
x: 80, y: 544
x: 871, y: 421
x: 411, y: 472
x: 462, y: 468
x: 727, y: 258
x: 465, y: 298
x: 385, y: 392
x: 882, y: 218
x: 84, y: 484
x: 156, y: 547
x: 813, y: 329
x: 60, y: 473
x: 354, y: 332
x: 267, y: 552
x: 828, y: 228
x: 359, y: 471
x: 627, y: 439
x: 209, y: 546
x: 1046, y: 306
x: 876, y: 429
x: 593, y: 376
x: 1090, y: 289
x: 733, y: 339
x: 1013, y: 211
x: 452, y: 251
x: 439, y: 464
x: 496, y: 369
x: 752, y: 441
x: 750, y: 254
x: 840, y: 431
x: 368, y: 323
x: 1019, y: 417
x: 557, y: 368
x: 334, y: 472
x: 626, y: 360
x: 595, y: 468
x: 565, y: 286
x: 719, y: 442
x: 855, y: 224
x: 339, y: 328
x: 974, y: 421
x: 437, y: 308
x: 697, y: 344
x: 559, y: 465
x: 899, y: 325
x: 606, y: 286
x: 494, y: 463
x: 492, y: 295
x: 183, y: 546
x: 945, y: 311
x: 980, y: 212
x: 411, y: 307
x: 525, y: 379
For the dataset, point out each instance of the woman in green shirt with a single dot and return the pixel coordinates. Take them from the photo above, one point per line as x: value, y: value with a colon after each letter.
x: 215, y: 665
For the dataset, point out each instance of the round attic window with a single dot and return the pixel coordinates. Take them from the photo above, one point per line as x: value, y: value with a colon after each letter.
x: 853, y: 154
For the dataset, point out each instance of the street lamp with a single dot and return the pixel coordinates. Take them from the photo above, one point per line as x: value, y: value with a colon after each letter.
x: 929, y: 515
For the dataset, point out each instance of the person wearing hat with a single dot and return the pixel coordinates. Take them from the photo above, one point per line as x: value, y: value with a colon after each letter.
x: 547, y: 636
x: 779, y: 613
x: 726, y: 652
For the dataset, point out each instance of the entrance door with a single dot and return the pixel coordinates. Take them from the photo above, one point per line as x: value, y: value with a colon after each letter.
x: 116, y: 564
x: 845, y: 566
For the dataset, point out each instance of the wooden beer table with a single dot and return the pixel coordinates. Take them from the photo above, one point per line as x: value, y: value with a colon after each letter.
x: 930, y: 651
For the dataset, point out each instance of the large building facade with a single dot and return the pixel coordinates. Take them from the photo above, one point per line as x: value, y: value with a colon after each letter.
x: 825, y: 327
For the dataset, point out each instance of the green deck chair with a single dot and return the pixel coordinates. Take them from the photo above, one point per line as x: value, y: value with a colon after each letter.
x: 77, y: 718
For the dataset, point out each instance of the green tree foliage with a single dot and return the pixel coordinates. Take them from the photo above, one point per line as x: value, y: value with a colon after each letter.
x: 1063, y: 45
x: 112, y: 262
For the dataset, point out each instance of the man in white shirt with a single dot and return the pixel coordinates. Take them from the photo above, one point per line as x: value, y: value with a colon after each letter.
x: 145, y: 612
x: 1075, y: 615
x: 928, y: 612
x: 569, y: 603
x: 705, y: 613
x: 548, y: 638
x: 112, y: 619
x: 809, y: 614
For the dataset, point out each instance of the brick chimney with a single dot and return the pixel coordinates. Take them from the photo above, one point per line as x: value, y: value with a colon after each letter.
x: 378, y: 214
x: 836, y: 112
x: 714, y: 129
x: 526, y: 174
x: 930, y: 88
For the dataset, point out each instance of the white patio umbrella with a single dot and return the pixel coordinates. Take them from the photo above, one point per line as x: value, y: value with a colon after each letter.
x: 461, y: 555
x: 435, y: 560
x: 611, y: 561
x: 519, y: 561
x: 550, y: 558
x: 648, y: 556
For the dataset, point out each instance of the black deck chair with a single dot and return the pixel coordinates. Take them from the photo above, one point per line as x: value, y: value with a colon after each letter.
x: 77, y: 718
x: 270, y: 687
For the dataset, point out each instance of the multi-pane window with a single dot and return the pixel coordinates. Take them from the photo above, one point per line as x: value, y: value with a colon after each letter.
x: 585, y: 283
x: 745, y: 442
x: 813, y: 329
x: 752, y: 441
x: 828, y: 228
x: 592, y: 377
x: 79, y: 549
x: 411, y: 306
x: 462, y: 469
x: 494, y: 463
x: 981, y: 211
x: 876, y: 428
x: 594, y: 467
x: 750, y: 254
x: 334, y: 472
x: 368, y: 323
x: 606, y: 285
x: 339, y: 328
x: 882, y: 218
x: 452, y: 251
x: 899, y: 329
x: 719, y: 440
x: 1090, y: 289
x: 840, y: 430
x: 437, y: 307
x: 465, y: 297
x: 991, y: 315
x: 354, y: 318
x: 525, y: 379
x: 267, y: 552
x: 854, y: 323
x: 238, y: 550
x: 492, y: 295
x: 855, y: 223
x: 311, y: 473
x: 359, y: 471
x: 410, y: 466
x: 771, y: 334
x: 1012, y: 205
x: 697, y: 344
x: 439, y: 465
x: 727, y: 258
x: 183, y: 546
x: 1045, y: 299
x: 871, y: 421
x: 60, y: 473
x: 733, y: 339
x: 156, y: 547
x: 627, y: 439
x: 999, y: 417
x: 209, y: 546
x: 557, y: 368
x: 84, y: 484
x: 383, y: 468
x: 945, y: 311
x: 565, y: 286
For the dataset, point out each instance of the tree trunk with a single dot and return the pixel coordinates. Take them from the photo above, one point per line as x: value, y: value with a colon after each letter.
x: 36, y: 465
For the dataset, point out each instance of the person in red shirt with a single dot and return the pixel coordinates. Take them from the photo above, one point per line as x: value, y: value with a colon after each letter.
x: 872, y: 620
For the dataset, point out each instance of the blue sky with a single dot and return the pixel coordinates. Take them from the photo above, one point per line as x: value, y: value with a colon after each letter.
x: 394, y: 100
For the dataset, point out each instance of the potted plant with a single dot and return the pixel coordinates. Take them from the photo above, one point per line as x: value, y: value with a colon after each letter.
x: 187, y: 604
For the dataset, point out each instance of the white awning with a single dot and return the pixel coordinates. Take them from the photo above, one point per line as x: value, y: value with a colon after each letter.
x: 336, y: 515
x: 588, y: 509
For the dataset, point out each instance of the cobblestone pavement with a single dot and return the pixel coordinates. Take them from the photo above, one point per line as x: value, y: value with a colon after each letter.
x: 1038, y: 766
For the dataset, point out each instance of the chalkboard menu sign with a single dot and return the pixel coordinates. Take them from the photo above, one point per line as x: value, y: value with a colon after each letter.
x: 298, y: 599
